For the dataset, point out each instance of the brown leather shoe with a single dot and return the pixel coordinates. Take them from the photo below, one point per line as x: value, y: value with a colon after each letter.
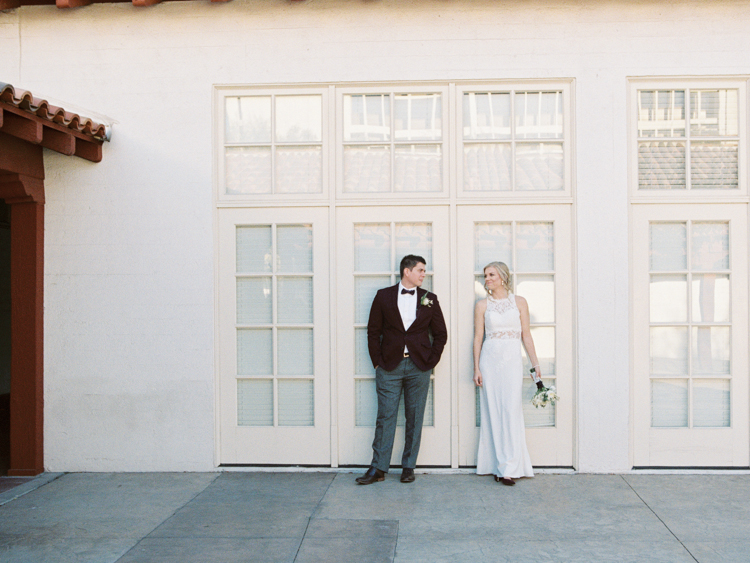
x: 407, y: 475
x: 372, y: 475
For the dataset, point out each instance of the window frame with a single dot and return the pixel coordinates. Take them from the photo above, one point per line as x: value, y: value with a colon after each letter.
x: 567, y: 139
x: 224, y: 92
x: 445, y: 142
x: 689, y: 194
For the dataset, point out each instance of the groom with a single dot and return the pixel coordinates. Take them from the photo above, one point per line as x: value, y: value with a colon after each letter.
x: 398, y: 337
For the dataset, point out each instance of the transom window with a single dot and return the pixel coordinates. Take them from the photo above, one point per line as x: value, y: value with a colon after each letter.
x: 393, y: 142
x: 513, y: 141
x: 273, y: 144
x: 688, y: 139
x: 401, y: 142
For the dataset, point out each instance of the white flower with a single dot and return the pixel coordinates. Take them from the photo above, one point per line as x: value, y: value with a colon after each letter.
x: 425, y: 302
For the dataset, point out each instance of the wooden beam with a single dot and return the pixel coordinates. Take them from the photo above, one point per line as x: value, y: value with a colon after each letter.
x: 18, y: 126
x: 144, y: 3
x: 20, y: 157
x: 88, y: 150
x: 72, y: 3
x: 58, y: 141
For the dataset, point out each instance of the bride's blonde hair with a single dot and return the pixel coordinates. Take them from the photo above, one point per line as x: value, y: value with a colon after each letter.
x: 504, y: 272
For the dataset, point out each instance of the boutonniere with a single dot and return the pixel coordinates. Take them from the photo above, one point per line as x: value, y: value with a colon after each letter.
x: 425, y: 302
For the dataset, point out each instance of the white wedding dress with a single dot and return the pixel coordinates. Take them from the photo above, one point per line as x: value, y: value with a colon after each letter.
x: 502, y: 437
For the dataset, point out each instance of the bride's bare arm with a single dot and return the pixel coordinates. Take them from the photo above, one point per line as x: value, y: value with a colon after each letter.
x: 528, y: 341
x: 479, y: 310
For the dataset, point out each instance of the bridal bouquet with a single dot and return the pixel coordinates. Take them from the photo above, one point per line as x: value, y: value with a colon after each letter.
x: 545, y: 396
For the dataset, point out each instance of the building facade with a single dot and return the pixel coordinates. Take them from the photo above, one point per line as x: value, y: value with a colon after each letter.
x: 207, y: 284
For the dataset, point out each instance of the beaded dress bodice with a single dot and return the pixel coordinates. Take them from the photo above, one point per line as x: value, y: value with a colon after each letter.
x: 502, y: 318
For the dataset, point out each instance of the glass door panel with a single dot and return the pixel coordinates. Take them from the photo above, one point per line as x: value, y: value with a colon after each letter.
x: 689, y: 276
x: 535, y: 243
x: 372, y: 242
x: 273, y: 337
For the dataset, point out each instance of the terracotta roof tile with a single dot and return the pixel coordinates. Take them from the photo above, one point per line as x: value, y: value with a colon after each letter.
x: 24, y: 100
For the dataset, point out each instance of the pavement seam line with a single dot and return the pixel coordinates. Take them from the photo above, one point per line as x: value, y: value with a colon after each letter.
x: 314, y: 510
x: 175, y: 511
x: 659, y: 518
x: 55, y: 477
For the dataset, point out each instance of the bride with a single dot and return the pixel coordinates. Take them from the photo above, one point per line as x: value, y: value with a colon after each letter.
x: 501, y: 324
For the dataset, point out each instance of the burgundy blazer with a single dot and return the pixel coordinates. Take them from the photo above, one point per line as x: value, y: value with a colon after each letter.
x: 386, y: 336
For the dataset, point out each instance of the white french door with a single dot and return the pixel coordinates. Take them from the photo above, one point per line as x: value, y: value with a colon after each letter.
x: 273, y: 336
x: 370, y: 244
x: 535, y: 242
x: 690, y: 358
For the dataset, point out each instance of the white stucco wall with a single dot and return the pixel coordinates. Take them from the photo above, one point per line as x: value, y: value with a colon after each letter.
x: 129, y: 252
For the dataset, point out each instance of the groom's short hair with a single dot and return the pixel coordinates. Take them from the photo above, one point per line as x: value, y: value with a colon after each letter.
x: 409, y: 261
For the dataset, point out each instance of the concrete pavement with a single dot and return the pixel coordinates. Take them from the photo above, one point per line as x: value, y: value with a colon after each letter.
x: 325, y: 517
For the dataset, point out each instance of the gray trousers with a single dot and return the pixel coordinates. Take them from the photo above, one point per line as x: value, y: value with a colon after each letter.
x: 389, y: 384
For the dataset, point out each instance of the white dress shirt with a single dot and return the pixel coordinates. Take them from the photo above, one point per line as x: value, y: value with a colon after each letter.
x: 407, y: 306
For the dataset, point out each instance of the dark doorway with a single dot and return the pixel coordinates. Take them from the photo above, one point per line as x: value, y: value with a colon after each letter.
x: 4, y: 338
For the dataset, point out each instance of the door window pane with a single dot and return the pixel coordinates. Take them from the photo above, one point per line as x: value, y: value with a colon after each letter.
x: 296, y: 402
x: 669, y: 350
x: 253, y: 249
x: 372, y: 247
x: 539, y: 291
x: 255, y: 402
x: 493, y: 242
x: 711, y: 350
x: 535, y: 247
x: 669, y: 403
x: 668, y: 247
x: 254, y: 305
x: 711, y: 407
x: 294, y: 248
x: 668, y: 298
x: 711, y: 298
x: 295, y: 351
x: 254, y: 351
x: 295, y: 302
x: 413, y: 238
x: 710, y: 243
x: 365, y: 289
x: 544, y: 343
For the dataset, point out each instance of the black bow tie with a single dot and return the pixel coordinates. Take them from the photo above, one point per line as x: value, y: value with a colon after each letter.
x: 409, y: 291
